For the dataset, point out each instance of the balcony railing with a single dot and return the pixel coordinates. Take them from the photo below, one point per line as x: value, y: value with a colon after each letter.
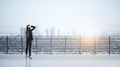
x: 61, y: 45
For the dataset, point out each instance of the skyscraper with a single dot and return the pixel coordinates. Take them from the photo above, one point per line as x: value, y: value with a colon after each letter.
x: 22, y: 31
x: 52, y: 31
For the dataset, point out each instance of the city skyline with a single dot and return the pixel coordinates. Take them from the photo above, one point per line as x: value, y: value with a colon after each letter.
x: 88, y: 17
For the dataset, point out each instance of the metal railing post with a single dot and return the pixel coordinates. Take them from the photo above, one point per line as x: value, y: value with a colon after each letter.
x: 65, y: 45
x: 51, y: 45
x: 109, y: 45
x: 21, y: 45
x: 80, y: 45
x: 36, y: 45
x: 95, y: 45
x: 7, y: 44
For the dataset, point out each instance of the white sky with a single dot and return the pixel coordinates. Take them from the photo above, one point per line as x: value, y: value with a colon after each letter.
x: 67, y: 15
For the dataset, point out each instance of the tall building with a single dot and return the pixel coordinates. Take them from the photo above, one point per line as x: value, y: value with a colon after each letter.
x: 36, y: 31
x: 47, y: 32
x: 52, y: 31
x: 22, y: 31
x: 58, y: 32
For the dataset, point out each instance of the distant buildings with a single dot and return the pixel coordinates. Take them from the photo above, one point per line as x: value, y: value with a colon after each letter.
x: 36, y: 31
x: 52, y: 31
x: 47, y: 32
x: 22, y: 31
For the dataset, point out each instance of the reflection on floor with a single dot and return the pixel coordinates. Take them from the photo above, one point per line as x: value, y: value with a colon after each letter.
x: 28, y: 61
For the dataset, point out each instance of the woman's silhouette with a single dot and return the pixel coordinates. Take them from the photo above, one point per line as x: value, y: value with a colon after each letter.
x: 29, y: 38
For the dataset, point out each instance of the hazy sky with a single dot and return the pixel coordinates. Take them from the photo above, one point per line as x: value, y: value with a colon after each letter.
x: 66, y: 15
